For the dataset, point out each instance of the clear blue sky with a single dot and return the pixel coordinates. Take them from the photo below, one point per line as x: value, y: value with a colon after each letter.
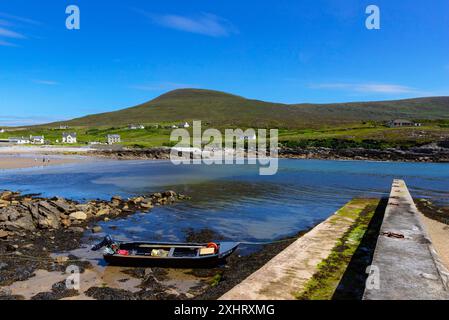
x: 128, y: 52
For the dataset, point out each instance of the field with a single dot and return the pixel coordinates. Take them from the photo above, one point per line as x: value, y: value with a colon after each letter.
x: 368, y: 135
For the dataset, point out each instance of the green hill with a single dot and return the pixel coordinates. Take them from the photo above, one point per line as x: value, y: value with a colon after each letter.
x: 226, y: 110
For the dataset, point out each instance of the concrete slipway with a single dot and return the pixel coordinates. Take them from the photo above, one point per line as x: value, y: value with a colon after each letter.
x: 408, y: 266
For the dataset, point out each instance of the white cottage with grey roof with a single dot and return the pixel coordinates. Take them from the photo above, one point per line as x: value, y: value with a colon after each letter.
x: 69, y: 138
x: 113, y: 138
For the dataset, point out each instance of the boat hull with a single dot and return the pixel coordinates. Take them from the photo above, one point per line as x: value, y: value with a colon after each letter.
x: 125, y: 261
x: 207, y: 261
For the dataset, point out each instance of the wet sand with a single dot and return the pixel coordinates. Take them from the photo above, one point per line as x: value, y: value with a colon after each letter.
x: 17, y: 161
x: 439, y: 233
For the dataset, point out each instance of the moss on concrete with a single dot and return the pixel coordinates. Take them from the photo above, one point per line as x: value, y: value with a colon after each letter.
x: 330, y: 271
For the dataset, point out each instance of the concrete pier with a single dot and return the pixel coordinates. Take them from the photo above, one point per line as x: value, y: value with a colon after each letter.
x: 408, y: 266
x: 286, y: 275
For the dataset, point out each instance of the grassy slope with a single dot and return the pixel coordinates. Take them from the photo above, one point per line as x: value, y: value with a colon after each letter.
x: 297, y: 123
x: 225, y: 110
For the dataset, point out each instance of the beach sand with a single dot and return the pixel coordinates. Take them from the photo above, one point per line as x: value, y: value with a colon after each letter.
x: 439, y: 233
x: 30, y: 161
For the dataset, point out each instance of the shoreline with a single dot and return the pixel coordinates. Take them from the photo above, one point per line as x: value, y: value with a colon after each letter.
x: 33, y: 260
x: 421, y: 154
x: 25, y: 161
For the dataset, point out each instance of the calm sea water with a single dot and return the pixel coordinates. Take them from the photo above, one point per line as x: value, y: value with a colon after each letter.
x: 230, y: 199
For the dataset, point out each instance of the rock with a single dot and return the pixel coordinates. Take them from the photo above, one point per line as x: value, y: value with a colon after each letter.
x: 46, y: 208
x: 78, y: 215
x: 103, y: 212
x: 116, y: 198
x: 76, y: 229
x: 83, y: 207
x: 170, y: 193
x: 11, y: 247
x: 97, y: 229
x: 146, y: 205
x: 61, y: 259
x: 66, y: 223
x: 63, y: 205
x: 10, y: 213
x: 106, y: 219
x: 4, y: 234
x: 137, y: 200
x: 4, y: 203
x: 6, y: 195
x: 157, y: 195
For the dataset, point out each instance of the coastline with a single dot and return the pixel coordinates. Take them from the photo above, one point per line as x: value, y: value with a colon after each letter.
x: 16, y: 157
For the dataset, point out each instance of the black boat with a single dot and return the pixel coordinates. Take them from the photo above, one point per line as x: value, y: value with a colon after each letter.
x: 164, y: 254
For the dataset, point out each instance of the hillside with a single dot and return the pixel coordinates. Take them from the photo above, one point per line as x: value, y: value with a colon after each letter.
x: 221, y: 109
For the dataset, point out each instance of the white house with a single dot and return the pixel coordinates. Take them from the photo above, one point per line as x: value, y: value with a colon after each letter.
x: 37, y: 139
x: 20, y: 140
x: 69, y: 138
x: 2, y: 130
x: 113, y: 138
x: 403, y: 123
x: 63, y: 127
x: 136, y: 127
x: 186, y: 125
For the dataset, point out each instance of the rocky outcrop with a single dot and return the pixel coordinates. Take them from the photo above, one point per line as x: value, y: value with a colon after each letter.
x: 130, y: 154
x: 25, y: 213
x: 419, y: 154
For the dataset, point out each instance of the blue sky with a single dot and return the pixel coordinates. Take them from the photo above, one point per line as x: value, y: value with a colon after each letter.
x: 128, y: 52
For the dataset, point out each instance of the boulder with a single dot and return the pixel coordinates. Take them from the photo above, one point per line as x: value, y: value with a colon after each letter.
x: 169, y: 193
x: 6, y: 195
x: 103, y: 212
x: 116, y: 198
x: 46, y: 208
x: 63, y: 205
x: 76, y: 229
x: 10, y: 214
x: 66, y: 223
x: 147, y: 204
x: 4, y: 203
x: 137, y: 200
x: 61, y: 259
x: 97, y: 229
x: 78, y: 215
x: 4, y: 234
x: 50, y: 221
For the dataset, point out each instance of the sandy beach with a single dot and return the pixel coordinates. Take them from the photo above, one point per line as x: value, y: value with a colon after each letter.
x: 17, y: 162
x: 439, y: 233
x: 18, y: 157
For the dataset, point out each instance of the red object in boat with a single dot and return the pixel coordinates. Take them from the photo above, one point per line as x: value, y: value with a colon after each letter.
x: 123, y: 252
x: 213, y: 245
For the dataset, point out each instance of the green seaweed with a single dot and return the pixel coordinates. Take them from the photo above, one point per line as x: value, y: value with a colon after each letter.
x: 330, y: 271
